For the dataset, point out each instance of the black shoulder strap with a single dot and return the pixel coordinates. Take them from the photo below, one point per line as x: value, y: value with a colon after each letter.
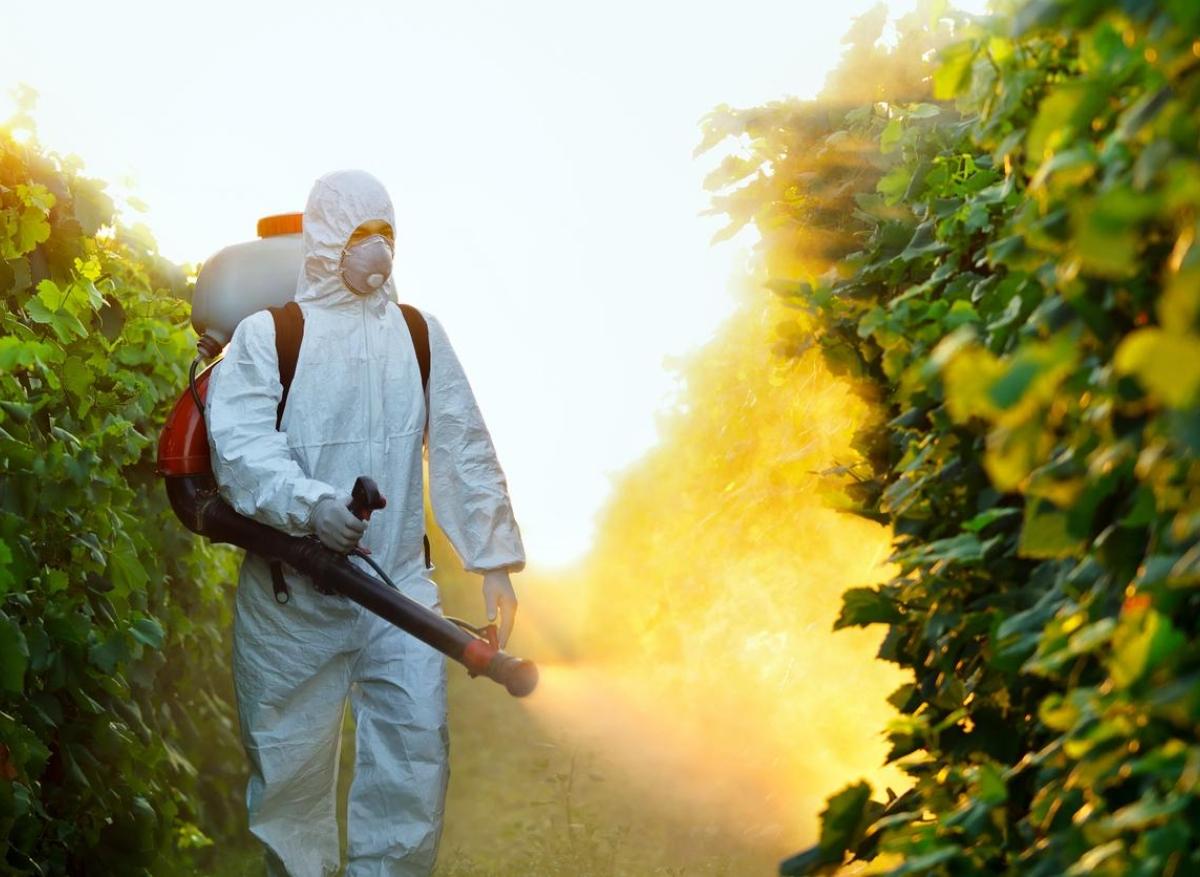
x: 289, y: 334
x: 419, y: 331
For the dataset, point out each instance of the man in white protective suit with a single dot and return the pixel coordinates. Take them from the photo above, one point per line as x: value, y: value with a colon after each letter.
x: 355, y: 407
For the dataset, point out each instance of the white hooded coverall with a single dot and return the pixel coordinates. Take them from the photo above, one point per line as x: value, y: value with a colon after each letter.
x: 355, y: 408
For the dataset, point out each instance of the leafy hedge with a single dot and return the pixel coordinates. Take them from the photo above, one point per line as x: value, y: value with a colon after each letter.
x: 112, y: 662
x: 1018, y: 282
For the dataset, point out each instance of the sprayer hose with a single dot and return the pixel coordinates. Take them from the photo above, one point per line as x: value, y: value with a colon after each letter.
x: 465, y: 625
x: 192, y: 386
x: 378, y: 569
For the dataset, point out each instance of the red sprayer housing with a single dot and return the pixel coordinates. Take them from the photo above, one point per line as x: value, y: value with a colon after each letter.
x: 183, y: 445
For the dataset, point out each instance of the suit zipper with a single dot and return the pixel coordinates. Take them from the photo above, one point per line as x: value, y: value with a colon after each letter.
x: 370, y: 395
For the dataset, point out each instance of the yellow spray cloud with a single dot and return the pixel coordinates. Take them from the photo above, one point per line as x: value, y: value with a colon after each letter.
x: 701, y: 659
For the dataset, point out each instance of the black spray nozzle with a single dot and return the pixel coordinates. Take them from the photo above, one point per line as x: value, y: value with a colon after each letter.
x: 518, y: 676
x: 484, y: 656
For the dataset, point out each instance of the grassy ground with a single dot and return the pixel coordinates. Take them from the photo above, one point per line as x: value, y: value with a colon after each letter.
x: 528, y: 798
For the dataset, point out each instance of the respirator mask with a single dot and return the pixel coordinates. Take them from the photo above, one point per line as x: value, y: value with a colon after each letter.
x: 366, y: 264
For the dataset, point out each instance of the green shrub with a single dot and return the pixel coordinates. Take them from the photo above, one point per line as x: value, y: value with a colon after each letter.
x: 1018, y: 282
x: 117, y: 746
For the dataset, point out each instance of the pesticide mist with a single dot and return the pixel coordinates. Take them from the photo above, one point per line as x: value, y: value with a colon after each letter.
x: 693, y: 654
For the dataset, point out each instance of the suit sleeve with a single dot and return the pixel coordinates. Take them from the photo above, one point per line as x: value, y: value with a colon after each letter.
x: 253, y: 465
x: 466, y: 484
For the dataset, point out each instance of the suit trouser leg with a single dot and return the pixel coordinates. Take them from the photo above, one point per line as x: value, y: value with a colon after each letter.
x: 398, y: 795
x: 292, y: 678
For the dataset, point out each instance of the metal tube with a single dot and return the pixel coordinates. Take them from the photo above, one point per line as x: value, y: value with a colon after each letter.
x: 197, y: 503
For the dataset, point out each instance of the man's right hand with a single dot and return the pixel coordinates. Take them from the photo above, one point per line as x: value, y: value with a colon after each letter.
x: 336, y: 526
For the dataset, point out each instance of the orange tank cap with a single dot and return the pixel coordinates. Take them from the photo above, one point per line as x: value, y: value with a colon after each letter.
x: 280, y: 223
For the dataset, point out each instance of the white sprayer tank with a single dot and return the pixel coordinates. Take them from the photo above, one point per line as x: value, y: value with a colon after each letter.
x: 247, y: 277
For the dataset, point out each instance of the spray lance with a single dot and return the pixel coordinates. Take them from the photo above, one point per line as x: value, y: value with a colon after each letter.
x: 263, y: 274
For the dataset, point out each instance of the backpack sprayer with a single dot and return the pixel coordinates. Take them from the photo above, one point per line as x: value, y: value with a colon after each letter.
x: 235, y: 283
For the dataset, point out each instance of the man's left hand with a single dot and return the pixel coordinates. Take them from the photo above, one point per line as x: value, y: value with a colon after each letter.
x: 498, y: 593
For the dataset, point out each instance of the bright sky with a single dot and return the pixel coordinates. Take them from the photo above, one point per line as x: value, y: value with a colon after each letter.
x: 538, y: 154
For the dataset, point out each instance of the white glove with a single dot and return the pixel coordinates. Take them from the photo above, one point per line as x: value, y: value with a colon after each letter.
x: 336, y: 526
x: 498, y: 592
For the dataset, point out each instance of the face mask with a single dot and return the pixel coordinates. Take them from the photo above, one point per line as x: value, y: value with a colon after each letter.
x: 366, y: 265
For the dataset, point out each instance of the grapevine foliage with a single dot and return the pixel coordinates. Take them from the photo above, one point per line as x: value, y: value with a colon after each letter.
x: 1016, y: 279
x: 117, y: 747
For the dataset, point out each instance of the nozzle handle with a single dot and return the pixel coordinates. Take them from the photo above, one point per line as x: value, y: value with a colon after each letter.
x: 365, y: 498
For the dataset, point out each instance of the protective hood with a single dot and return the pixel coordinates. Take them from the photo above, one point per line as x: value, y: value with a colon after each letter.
x: 338, y: 204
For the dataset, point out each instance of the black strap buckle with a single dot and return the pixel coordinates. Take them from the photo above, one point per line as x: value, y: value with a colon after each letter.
x: 279, y: 583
